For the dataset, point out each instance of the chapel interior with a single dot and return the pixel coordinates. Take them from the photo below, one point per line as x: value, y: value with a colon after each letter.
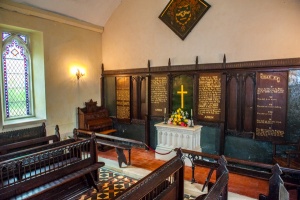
x: 147, y: 81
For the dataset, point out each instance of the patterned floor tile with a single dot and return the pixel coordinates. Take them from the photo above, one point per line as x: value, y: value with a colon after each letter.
x: 112, y: 183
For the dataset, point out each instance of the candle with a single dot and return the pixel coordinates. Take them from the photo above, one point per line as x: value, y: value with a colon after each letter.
x: 165, y: 111
x: 191, y: 113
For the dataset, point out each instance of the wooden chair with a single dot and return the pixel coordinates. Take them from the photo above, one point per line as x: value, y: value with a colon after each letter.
x: 289, y: 158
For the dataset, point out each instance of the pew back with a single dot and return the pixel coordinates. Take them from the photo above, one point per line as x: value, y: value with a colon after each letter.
x: 13, y: 136
x: 166, y: 182
x: 219, y: 189
x: 10, y: 146
x: 25, y: 173
x: 277, y: 190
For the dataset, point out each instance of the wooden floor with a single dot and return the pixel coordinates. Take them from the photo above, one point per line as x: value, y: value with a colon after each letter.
x: 246, y: 186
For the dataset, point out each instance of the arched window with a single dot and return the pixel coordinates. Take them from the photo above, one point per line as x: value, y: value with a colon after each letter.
x: 16, y: 76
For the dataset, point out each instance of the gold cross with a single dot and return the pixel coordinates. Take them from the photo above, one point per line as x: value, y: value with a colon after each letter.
x: 181, y: 92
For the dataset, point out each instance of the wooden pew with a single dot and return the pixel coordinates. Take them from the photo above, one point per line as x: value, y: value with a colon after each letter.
x: 64, y: 171
x: 17, y: 146
x: 219, y: 189
x: 8, y: 137
x: 164, y: 183
x: 277, y: 190
x: 35, y: 149
x: 15, y: 136
x: 120, y: 144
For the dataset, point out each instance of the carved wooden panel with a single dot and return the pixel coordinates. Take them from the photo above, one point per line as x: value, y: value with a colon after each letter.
x: 138, y: 97
x: 240, y: 103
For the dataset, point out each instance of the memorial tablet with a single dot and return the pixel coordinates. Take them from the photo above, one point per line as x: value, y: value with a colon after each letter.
x: 159, y: 95
x: 210, y: 97
x: 271, y: 105
x: 123, y: 97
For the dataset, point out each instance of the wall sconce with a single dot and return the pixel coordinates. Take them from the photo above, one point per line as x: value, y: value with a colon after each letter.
x: 79, y: 73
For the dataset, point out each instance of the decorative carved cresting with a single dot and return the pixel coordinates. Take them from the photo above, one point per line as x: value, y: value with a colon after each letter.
x: 276, y: 63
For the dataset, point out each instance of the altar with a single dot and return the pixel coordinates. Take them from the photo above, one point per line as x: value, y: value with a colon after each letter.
x: 171, y: 136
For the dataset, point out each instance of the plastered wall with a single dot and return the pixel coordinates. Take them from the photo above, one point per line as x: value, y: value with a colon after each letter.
x: 244, y: 30
x: 65, y: 46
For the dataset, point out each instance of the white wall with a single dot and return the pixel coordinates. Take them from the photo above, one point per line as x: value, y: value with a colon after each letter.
x: 64, y: 46
x: 244, y: 30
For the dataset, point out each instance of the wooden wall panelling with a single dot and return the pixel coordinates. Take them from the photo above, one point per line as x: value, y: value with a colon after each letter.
x: 240, y: 104
x: 232, y: 103
x: 239, y: 119
x: 102, y: 86
x: 138, y: 97
x: 135, y: 97
x: 249, y: 102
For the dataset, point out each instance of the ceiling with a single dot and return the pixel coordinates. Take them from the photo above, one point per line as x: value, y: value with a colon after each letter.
x: 96, y: 12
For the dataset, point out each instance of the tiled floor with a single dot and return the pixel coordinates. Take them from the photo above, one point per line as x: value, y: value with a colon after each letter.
x: 112, y: 183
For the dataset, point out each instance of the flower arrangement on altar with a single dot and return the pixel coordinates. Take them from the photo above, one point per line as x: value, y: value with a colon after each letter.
x: 179, y: 117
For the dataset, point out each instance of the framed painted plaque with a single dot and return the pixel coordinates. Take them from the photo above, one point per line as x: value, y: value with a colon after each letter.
x: 181, y: 16
x: 271, y: 97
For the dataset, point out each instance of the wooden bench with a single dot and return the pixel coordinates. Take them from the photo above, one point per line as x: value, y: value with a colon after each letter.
x: 164, y: 183
x: 65, y: 171
x: 113, y: 141
x: 277, y: 190
x: 219, y: 189
x: 17, y: 146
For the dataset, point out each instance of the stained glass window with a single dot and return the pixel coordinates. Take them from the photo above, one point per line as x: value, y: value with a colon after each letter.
x: 5, y: 35
x: 16, y: 76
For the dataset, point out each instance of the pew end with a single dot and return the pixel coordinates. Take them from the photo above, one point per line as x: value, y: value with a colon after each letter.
x: 277, y: 191
x: 219, y: 189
